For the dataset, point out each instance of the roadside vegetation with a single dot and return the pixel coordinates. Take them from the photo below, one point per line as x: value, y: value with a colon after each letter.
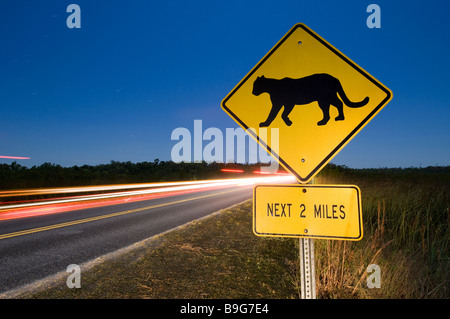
x: 406, y: 215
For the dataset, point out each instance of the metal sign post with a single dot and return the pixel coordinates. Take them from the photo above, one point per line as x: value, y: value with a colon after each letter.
x: 307, y: 271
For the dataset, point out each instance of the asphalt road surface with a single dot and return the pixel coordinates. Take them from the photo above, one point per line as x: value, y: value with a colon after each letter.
x: 32, y: 248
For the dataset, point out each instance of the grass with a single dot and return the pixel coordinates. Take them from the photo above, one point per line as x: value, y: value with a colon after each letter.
x: 406, y: 233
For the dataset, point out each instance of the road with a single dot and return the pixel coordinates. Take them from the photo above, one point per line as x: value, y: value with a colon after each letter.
x: 43, y: 238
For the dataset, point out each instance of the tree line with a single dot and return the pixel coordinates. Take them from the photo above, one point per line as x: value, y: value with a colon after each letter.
x: 16, y: 176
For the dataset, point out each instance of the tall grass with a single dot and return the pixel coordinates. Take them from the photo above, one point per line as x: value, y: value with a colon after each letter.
x: 406, y: 215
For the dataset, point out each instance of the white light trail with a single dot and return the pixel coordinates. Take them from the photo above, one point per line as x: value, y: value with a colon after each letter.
x: 152, y: 188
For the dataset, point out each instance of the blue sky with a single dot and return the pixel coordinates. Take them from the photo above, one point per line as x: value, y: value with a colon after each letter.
x: 136, y: 70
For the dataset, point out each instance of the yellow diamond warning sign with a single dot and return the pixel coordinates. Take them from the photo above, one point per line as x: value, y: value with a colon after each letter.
x: 314, y: 97
x: 314, y: 211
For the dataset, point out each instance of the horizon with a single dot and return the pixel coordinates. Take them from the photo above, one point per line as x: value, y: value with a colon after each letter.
x: 116, y: 88
x: 233, y: 163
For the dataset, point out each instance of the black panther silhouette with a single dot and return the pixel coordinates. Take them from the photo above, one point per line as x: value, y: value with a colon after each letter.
x: 288, y: 92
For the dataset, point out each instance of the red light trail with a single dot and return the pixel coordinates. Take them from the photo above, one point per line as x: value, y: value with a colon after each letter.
x: 230, y: 170
x: 29, y: 208
x: 14, y: 157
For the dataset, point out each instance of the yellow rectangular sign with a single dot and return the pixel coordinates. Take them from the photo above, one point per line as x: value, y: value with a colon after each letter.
x: 313, y: 211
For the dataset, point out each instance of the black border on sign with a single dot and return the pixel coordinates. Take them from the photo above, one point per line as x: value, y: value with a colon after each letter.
x: 359, y: 237
x: 345, y: 140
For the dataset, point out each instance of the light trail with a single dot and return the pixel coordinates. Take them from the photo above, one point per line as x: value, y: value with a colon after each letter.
x: 151, y: 191
x: 90, y: 219
x: 14, y: 157
x: 85, y: 189
x: 232, y: 170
